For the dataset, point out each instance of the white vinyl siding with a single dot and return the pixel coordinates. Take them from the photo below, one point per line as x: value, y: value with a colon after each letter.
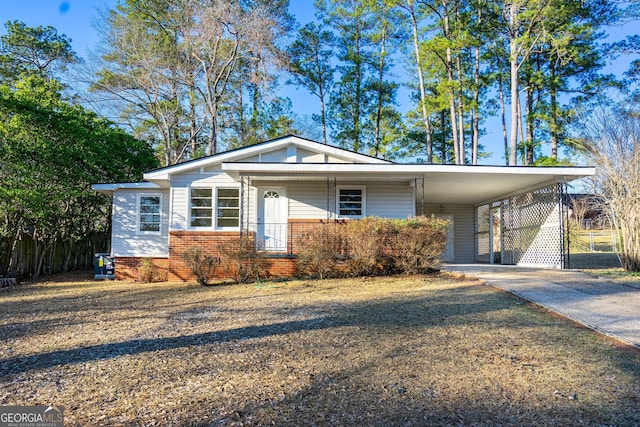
x: 390, y: 200
x: 126, y: 238
x: 464, y: 237
x: 310, y: 200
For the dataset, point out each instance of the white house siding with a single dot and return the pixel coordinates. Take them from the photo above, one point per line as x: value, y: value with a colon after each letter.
x: 305, y: 156
x: 126, y: 240
x: 464, y: 236
x: 308, y: 200
x: 274, y: 156
x: 390, y: 200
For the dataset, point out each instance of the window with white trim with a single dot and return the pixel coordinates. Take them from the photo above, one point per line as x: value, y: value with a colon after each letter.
x: 351, y: 202
x: 149, y: 213
x: 201, y: 207
x: 228, y: 207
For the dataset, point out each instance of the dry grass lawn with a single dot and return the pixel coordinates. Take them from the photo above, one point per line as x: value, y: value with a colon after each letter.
x: 388, y: 351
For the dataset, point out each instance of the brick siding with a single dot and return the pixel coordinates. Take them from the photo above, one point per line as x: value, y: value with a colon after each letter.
x: 277, y: 264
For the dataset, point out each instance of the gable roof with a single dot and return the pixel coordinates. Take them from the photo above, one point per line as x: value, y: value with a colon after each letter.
x: 305, y: 160
x: 347, y: 156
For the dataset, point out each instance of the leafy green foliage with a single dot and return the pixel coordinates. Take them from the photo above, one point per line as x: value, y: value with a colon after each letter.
x: 32, y: 51
x: 50, y: 154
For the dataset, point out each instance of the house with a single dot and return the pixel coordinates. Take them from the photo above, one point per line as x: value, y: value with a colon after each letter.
x: 279, y: 188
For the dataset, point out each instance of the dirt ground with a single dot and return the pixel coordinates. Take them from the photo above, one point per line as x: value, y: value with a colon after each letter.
x: 431, y: 350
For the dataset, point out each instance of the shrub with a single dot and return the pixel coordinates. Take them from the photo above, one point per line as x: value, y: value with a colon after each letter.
x: 242, y: 260
x: 418, y: 244
x: 148, y: 272
x: 366, y: 241
x: 374, y: 246
x: 320, y: 251
x: 202, y: 266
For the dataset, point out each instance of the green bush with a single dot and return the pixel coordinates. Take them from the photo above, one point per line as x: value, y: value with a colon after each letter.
x: 242, y: 260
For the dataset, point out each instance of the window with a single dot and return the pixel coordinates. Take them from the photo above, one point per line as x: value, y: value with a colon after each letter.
x: 351, y: 202
x: 228, y: 208
x: 201, y: 207
x: 149, y: 213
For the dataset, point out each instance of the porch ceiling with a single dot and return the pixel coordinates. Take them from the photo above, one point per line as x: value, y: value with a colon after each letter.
x: 448, y: 184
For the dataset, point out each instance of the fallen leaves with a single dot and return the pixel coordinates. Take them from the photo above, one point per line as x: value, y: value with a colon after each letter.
x: 381, y: 351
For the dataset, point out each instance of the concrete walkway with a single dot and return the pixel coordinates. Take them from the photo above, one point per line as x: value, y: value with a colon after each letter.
x: 607, y: 307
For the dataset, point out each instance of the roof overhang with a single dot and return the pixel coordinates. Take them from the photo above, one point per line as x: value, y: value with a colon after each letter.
x: 453, y: 184
x: 110, y: 188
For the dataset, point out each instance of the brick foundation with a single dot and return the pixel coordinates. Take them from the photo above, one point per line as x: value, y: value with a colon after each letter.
x: 127, y: 268
x: 174, y: 268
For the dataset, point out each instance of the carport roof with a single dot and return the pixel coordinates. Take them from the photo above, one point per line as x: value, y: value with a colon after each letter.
x: 451, y: 184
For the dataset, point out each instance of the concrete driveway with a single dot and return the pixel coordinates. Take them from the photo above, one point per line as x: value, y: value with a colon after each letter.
x: 607, y: 307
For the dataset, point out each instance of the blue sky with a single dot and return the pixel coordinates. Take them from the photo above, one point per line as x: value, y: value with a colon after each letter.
x: 76, y: 19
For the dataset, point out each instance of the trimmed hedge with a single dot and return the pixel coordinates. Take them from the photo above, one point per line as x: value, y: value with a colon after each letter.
x: 373, y: 246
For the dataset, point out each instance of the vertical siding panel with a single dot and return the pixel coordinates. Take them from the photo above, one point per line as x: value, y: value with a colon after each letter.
x: 464, y: 238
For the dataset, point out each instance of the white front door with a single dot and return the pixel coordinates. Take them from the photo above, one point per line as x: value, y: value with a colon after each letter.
x: 272, y: 219
x: 449, y: 249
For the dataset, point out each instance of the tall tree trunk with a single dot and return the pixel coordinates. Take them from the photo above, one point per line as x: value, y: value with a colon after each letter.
x: 193, y: 130
x: 358, y: 94
x: 451, y: 80
x: 443, y: 136
x: 529, y: 144
x: 212, y: 146
x: 461, y: 105
x: 378, y: 139
x: 323, y: 119
x: 521, y: 130
x: 475, y: 118
x: 513, y: 61
x: 503, y: 118
x: 423, y: 96
x: 554, y: 115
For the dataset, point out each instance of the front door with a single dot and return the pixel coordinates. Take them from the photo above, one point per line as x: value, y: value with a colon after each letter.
x: 272, y: 219
x: 449, y: 249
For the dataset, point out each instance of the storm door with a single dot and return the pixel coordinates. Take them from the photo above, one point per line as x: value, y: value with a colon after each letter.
x: 272, y: 220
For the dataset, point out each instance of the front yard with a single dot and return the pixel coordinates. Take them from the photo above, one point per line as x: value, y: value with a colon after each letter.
x: 380, y: 351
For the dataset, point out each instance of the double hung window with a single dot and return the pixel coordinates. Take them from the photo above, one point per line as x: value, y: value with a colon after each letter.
x: 149, y: 216
x: 201, y: 207
x: 228, y: 208
x: 224, y: 211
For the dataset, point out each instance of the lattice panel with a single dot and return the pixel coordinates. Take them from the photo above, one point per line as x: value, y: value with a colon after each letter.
x: 482, y: 239
x: 531, y: 229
